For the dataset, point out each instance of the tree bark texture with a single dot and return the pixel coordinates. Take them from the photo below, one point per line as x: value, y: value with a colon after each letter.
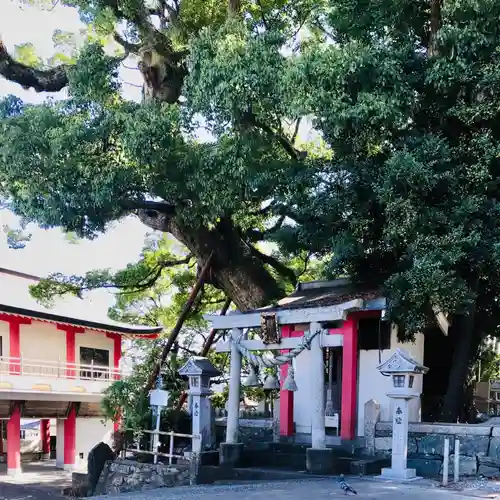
x: 235, y: 268
x: 465, y: 340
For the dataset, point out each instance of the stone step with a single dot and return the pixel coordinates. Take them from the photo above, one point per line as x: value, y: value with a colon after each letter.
x: 212, y: 475
x: 292, y: 448
x: 221, y: 475
x: 282, y: 460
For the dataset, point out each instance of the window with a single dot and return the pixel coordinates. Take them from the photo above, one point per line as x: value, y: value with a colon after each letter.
x: 96, y: 358
x: 410, y: 382
x: 374, y: 334
x: 399, y: 380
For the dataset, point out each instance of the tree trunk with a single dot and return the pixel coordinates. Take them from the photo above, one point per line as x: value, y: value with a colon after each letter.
x: 235, y: 269
x: 466, y: 340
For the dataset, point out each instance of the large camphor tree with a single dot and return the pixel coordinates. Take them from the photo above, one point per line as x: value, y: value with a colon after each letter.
x: 399, y: 182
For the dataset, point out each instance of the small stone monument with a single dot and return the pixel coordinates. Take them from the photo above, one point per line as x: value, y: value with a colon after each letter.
x: 402, y: 369
x: 199, y: 371
x: 372, y: 415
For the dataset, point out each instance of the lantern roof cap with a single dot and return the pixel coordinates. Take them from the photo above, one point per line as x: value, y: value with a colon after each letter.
x: 401, y: 362
x: 199, y: 366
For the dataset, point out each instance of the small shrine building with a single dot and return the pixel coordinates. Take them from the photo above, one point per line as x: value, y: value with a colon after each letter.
x: 337, y: 337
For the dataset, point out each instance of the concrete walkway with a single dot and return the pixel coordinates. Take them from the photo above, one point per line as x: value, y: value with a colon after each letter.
x: 39, y: 481
x: 314, y: 489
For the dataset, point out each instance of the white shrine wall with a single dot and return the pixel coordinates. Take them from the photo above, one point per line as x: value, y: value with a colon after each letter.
x: 371, y: 384
x: 301, y: 398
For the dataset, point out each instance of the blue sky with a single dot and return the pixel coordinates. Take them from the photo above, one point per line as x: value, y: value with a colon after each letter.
x: 48, y: 251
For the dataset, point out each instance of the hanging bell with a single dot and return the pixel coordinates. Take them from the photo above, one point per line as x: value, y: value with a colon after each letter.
x: 252, y: 380
x: 271, y: 383
x: 289, y: 384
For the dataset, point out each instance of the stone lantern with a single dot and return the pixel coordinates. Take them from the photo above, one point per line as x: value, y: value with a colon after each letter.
x: 199, y: 372
x: 403, y: 370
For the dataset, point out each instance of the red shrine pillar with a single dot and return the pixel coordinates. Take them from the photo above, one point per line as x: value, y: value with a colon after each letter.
x: 70, y: 439
x: 15, y: 323
x: 1, y: 437
x: 287, y: 423
x: 14, y: 441
x: 117, y: 353
x: 71, y: 332
x: 349, y: 378
x: 45, y: 437
x: 117, y: 356
x: 286, y: 397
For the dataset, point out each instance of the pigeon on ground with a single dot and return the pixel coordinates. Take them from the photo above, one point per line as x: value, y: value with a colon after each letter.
x: 345, y: 487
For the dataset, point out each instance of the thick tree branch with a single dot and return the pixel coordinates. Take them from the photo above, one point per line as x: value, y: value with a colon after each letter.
x: 131, y: 48
x: 280, y: 268
x: 296, y: 131
x: 256, y: 235
x: 282, y: 140
x: 50, y: 80
x: 234, y: 8
x: 155, y: 220
x: 156, y: 206
x: 263, y: 17
x: 435, y: 25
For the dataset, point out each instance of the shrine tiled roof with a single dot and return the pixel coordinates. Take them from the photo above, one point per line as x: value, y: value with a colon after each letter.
x: 15, y: 299
x: 326, y: 293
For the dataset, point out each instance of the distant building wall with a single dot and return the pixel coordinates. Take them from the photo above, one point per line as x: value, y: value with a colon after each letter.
x: 43, y: 341
x: 89, y: 432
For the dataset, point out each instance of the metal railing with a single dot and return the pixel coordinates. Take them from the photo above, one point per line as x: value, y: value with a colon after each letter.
x: 57, y: 369
x: 154, y: 445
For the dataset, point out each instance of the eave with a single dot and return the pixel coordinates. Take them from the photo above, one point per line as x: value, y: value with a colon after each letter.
x: 121, y: 329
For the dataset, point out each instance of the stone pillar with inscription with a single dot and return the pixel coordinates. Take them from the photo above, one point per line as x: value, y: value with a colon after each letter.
x: 400, y: 443
x: 199, y: 370
x: 371, y: 417
x: 402, y: 369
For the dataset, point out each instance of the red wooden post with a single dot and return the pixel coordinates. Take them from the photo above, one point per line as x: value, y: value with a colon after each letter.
x: 349, y: 378
x: 15, y: 323
x: 71, y: 332
x: 70, y: 439
x: 1, y: 437
x: 117, y: 353
x: 70, y: 352
x: 45, y: 436
x: 286, y: 397
x: 14, y: 441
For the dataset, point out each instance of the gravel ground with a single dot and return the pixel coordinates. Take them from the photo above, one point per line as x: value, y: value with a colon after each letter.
x: 26, y: 492
x: 313, y: 489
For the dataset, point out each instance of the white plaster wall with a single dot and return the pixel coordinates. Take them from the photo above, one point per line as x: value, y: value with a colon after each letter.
x: 89, y: 432
x: 5, y: 334
x: 301, y: 398
x: 373, y: 385
x: 43, y: 341
x: 97, y: 340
